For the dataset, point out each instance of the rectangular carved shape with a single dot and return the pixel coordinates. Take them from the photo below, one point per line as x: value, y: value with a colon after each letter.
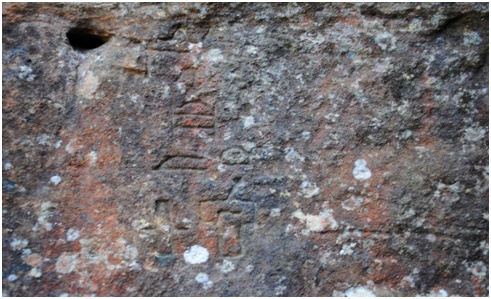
x: 186, y: 163
x: 229, y: 234
x: 194, y: 121
x: 194, y: 109
x: 162, y: 208
x: 209, y: 211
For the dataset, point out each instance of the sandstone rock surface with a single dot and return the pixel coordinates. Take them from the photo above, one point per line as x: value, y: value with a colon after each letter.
x: 224, y: 149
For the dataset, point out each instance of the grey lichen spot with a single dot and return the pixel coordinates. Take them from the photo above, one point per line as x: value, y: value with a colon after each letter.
x: 165, y: 260
x: 234, y: 156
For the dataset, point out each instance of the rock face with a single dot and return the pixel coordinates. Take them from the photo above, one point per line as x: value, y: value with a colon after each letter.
x: 245, y: 149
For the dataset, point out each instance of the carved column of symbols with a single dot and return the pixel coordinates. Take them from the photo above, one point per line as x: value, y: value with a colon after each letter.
x: 193, y: 121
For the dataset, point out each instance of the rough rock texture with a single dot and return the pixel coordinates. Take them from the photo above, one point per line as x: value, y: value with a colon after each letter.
x: 245, y: 149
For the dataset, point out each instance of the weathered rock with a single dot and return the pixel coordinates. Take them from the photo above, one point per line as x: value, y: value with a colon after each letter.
x: 235, y: 149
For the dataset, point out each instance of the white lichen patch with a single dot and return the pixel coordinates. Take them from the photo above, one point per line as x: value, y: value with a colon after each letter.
x: 226, y: 267
x: 72, y: 235
x: 306, y: 135
x: 26, y: 73
x: 43, y: 222
x: 46, y: 212
x: 415, y: 25
x: 222, y: 167
x: 276, y: 212
x: 7, y: 166
x: 406, y: 134
x: 484, y: 246
x: 289, y: 228
x: 44, y: 140
x: 131, y: 254
x: 361, y: 171
x: 316, y: 223
x: 285, y: 193
x: 279, y: 290
x: 35, y: 272
x: 332, y: 117
x: 434, y: 293
x: 18, y: 244
x: 92, y: 157
x: 33, y: 260
x: 195, y: 48
x: 214, y: 55
x: 249, y: 268
x: 70, y: 147
x: 248, y: 146
x: 407, y: 282
x: 359, y: 291
x: 126, y: 254
x: 56, y: 179
x: 442, y: 293
x: 448, y: 192
x: 251, y: 50
x: 309, y: 189
x: 347, y: 249
x: 141, y: 224
x: 472, y: 38
x: 348, y: 235
x: 431, y: 238
x: 386, y: 41
x: 474, y: 134
x: 325, y: 258
x: 293, y: 156
x: 181, y: 86
x: 352, y: 203
x: 47, y: 207
x: 66, y: 263
x: 204, y: 280
x: 249, y: 122
x: 478, y: 269
x: 88, y: 84
x: 196, y: 254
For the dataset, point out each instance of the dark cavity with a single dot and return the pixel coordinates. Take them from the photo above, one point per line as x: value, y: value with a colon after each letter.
x: 83, y: 39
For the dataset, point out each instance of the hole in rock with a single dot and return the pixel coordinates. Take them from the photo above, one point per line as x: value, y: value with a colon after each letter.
x: 85, y: 39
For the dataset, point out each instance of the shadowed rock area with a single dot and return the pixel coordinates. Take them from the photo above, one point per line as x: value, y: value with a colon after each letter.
x: 247, y: 149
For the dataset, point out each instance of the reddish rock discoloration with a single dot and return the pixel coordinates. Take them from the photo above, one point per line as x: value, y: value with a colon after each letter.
x: 240, y: 128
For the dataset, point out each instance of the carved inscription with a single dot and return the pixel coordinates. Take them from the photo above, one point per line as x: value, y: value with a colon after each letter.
x: 202, y: 209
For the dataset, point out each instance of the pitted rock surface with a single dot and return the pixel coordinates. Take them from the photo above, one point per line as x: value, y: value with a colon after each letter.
x: 198, y: 149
